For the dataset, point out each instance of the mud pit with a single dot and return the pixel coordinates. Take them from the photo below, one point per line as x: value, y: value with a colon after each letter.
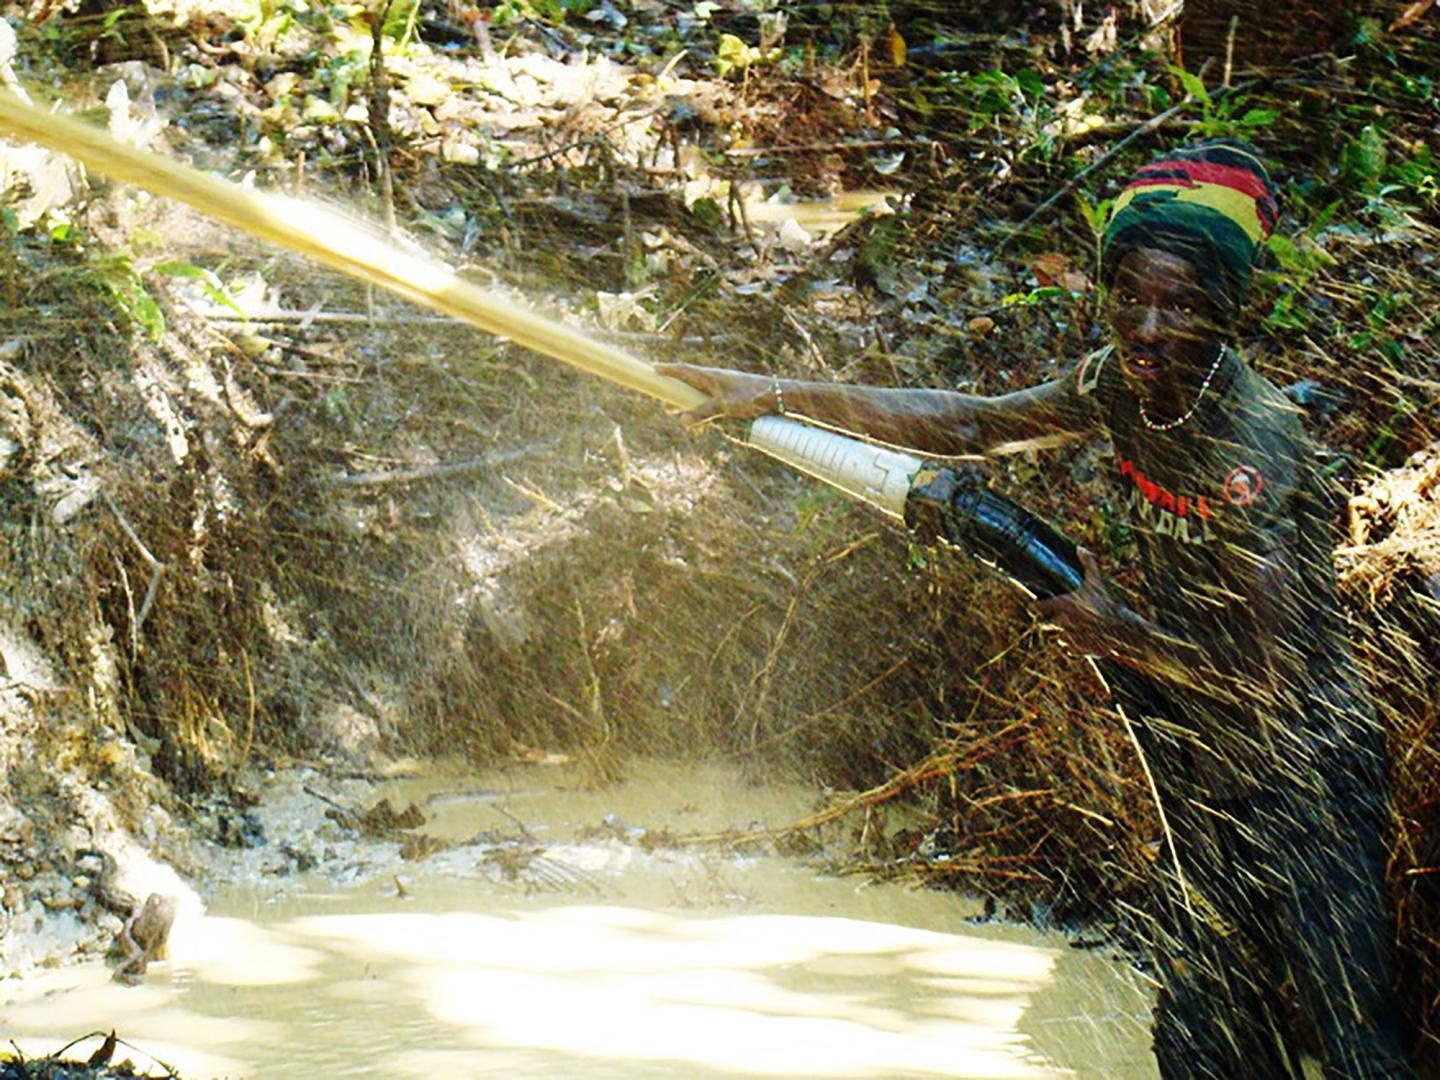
x: 608, y: 960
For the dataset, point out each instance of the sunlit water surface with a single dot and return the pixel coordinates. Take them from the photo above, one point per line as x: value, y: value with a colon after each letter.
x: 655, y: 964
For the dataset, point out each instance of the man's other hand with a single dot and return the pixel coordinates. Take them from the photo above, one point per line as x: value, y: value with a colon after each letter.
x: 1088, y: 617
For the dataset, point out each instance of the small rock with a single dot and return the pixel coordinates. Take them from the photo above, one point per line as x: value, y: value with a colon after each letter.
x: 1315, y: 397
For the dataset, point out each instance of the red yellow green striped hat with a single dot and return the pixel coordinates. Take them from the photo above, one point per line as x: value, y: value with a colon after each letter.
x: 1210, y: 203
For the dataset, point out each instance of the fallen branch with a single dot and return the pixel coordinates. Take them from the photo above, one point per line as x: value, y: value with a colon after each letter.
x: 305, y: 318
x: 920, y: 868
x: 390, y: 477
x: 932, y: 768
x: 155, y: 564
x: 803, y: 148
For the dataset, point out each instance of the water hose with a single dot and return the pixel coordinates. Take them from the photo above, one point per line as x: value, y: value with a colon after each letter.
x: 932, y: 500
x: 927, y: 498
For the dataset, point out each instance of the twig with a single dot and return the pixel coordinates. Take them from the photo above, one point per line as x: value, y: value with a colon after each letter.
x: 378, y: 128
x: 815, y: 353
x: 250, y: 714
x: 763, y: 677
x: 737, y: 202
x: 937, y: 765
x: 341, y: 317
x: 921, y: 867
x: 155, y: 564
x: 853, y: 144
x: 328, y: 801
x: 315, y: 376
x: 169, y: 1069
x: 853, y: 696
x: 1229, y: 50
x: 534, y: 494
x: 622, y: 118
x: 524, y: 829
x: 388, y: 477
x: 1111, y: 129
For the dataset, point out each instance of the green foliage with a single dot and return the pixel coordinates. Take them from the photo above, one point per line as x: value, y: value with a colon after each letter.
x: 707, y: 211
x: 732, y: 55
x: 117, y: 276
x: 1298, y: 261
x: 1377, y: 335
x: 214, y: 288
x: 341, y: 73
x: 1194, y: 86
x: 1097, y: 216
x: 1363, y: 158
x: 991, y: 95
x: 816, y: 509
x: 550, y: 11
x: 400, y: 22
x: 1418, y: 175
x: 1037, y: 296
x: 1222, y: 117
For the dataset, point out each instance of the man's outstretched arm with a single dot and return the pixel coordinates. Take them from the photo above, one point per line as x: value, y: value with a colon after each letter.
x: 940, y: 422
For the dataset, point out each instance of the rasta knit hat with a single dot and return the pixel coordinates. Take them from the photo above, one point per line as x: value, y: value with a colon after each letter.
x: 1210, y: 203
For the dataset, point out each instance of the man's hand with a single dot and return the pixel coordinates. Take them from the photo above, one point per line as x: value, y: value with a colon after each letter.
x: 736, y: 394
x: 1089, y: 618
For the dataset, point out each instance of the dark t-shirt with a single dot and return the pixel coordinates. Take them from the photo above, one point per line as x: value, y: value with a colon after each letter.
x: 1233, y: 523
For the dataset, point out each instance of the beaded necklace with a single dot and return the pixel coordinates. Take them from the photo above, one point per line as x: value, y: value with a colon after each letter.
x: 1170, y: 425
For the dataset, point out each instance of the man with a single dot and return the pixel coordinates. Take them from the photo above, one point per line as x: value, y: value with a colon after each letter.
x: 1253, y: 725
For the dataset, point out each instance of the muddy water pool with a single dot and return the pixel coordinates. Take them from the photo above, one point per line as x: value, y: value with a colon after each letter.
x: 577, y: 952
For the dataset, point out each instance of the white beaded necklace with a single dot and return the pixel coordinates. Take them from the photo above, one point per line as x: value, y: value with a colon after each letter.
x: 1170, y: 425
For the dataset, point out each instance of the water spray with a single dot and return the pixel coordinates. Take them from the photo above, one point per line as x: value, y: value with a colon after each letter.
x: 932, y: 499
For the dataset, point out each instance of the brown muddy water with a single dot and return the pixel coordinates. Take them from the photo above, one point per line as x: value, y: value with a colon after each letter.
x: 600, y: 958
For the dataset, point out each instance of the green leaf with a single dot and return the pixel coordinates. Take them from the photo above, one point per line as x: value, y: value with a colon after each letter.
x: 732, y: 55
x: 1193, y: 85
x: 214, y: 288
x: 1096, y: 215
x: 1322, y: 219
x: 1362, y: 159
x: 1030, y: 83
x: 1287, y: 255
x: 1259, y: 117
x: 707, y: 211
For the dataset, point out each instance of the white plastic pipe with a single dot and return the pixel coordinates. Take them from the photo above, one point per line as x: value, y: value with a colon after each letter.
x: 870, y: 473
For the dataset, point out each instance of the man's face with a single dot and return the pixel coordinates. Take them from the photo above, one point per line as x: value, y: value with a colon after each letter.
x: 1165, y: 324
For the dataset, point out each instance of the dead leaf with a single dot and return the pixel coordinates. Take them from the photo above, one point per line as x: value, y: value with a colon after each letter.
x: 100, y: 1058
x: 1053, y: 269
x: 1047, y: 268
x: 1411, y: 14
x: 533, y: 755
x: 894, y: 47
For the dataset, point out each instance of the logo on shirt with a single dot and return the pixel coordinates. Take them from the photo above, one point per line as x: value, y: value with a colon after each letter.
x: 1243, y: 485
x: 1155, y: 507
